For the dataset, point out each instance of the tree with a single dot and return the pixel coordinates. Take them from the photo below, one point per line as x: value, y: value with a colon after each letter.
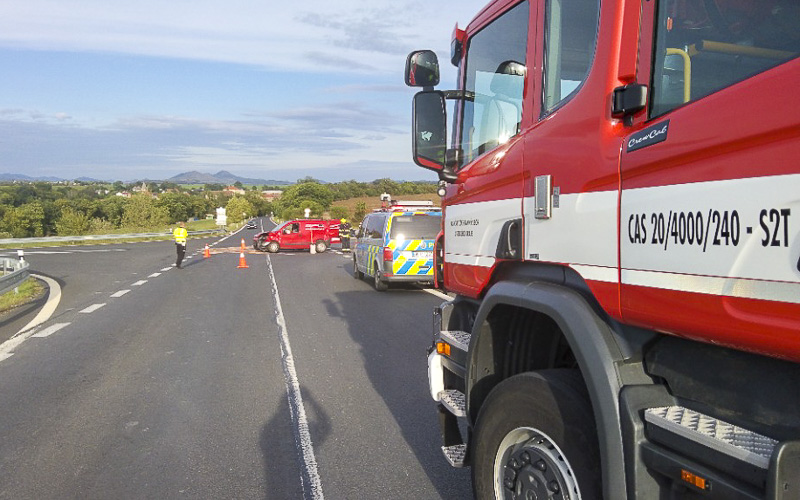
x: 24, y: 221
x: 238, y: 208
x: 72, y: 222
x: 178, y: 206
x: 141, y: 212
x: 294, y: 196
x: 360, y: 211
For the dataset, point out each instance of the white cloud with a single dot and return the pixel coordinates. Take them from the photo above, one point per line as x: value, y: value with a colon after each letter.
x: 312, y: 35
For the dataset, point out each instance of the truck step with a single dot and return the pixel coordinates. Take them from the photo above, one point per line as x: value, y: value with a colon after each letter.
x: 455, y: 454
x: 713, y: 433
x: 456, y: 338
x: 454, y: 401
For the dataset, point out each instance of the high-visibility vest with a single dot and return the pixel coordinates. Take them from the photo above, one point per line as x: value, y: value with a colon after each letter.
x: 180, y: 234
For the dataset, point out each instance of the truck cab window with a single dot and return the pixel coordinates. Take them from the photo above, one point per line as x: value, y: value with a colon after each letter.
x: 703, y: 46
x: 495, y: 76
x: 570, y: 41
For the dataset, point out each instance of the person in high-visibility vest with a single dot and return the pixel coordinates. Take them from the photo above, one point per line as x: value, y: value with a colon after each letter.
x: 344, y: 235
x: 180, y: 234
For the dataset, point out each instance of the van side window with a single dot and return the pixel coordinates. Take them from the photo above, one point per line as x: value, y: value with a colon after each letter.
x: 376, y: 228
x: 704, y: 46
x: 569, y: 45
x: 495, y: 80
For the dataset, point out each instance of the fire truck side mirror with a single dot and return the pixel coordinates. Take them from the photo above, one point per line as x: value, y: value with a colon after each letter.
x: 430, y: 130
x: 422, y: 69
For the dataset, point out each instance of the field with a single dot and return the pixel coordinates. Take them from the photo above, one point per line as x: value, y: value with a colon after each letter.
x: 373, y: 202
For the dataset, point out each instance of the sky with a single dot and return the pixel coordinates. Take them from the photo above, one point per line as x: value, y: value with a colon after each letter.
x: 149, y: 89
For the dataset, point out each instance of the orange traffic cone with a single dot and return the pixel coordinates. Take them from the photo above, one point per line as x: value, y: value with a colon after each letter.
x: 206, y: 252
x: 242, y: 244
x: 242, y: 262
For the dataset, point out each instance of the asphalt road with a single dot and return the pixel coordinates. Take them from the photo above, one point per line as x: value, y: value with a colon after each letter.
x: 287, y: 379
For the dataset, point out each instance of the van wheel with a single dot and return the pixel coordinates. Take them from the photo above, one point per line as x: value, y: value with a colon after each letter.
x: 320, y: 246
x: 273, y: 247
x: 261, y: 245
x: 380, y: 284
x: 545, y: 448
x: 356, y: 273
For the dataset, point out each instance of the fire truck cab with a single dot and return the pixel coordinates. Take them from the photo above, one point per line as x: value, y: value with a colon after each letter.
x: 621, y: 228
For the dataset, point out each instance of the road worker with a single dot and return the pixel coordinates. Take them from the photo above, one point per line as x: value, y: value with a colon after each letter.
x: 180, y: 234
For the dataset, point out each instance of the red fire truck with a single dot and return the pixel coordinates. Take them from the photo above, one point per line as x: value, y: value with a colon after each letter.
x: 621, y: 219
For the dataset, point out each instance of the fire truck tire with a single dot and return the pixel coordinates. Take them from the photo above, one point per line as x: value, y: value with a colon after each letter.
x: 320, y: 246
x: 273, y: 247
x: 356, y: 273
x: 380, y: 284
x: 535, y: 435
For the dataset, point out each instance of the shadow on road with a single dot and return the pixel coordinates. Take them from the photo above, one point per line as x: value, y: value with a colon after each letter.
x: 274, y: 448
x: 403, y: 387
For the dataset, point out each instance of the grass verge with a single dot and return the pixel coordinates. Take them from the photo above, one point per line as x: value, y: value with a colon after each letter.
x: 28, y: 291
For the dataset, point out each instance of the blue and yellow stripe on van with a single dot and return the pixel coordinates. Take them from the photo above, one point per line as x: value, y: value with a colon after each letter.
x: 404, y: 264
x: 374, y: 254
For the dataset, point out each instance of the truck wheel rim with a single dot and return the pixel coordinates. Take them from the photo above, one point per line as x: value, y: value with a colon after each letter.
x: 529, y: 464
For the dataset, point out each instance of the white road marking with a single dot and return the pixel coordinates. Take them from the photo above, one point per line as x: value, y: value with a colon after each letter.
x: 312, y: 484
x: 139, y: 283
x: 92, y: 308
x: 154, y: 275
x: 50, y: 330
x: 439, y: 294
x: 53, y: 298
x: 119, y: 294
x: 166, y: 269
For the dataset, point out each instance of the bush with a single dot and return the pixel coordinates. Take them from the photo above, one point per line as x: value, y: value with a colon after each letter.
x: 339, y: 212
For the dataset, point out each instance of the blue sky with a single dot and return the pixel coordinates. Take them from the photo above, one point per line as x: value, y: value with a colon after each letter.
x: 273, y: 90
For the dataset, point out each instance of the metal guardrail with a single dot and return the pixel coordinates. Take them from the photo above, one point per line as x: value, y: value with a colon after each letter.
x: 14, y: 272
x: 95, y: 237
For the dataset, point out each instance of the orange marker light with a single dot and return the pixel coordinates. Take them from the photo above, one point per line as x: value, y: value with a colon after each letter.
x: 693, y: 479
x: 443, y: 348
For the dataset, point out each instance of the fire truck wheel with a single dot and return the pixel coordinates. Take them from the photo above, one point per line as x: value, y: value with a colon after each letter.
x: 273, y: 247
x: 320, y: 246
x: 535, y: 438
x: 380, y: 284
x: 356, y: 273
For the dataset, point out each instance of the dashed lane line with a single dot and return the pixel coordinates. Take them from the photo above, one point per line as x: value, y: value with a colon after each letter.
x: 154, y: 275
x: 139, y: 283
x: 50, y: 330
x: 119, y: 293
x: 92, y: 308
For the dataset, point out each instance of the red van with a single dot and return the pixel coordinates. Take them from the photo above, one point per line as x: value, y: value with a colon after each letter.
x: 299, y: 234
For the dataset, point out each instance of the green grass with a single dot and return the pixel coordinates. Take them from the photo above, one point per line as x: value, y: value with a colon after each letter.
x: 30, y: 290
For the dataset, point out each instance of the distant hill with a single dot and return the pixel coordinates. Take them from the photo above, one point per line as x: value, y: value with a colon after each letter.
x: 221, y: 177
x: 26, y: 178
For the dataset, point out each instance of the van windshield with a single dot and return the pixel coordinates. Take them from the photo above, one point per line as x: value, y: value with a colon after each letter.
x: 416, y: 227
x: 278, y: 228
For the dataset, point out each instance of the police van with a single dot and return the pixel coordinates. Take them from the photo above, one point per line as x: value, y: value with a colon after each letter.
x: 395, y: 244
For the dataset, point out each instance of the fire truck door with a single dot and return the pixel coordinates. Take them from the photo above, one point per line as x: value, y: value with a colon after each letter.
x: 710, y: 203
